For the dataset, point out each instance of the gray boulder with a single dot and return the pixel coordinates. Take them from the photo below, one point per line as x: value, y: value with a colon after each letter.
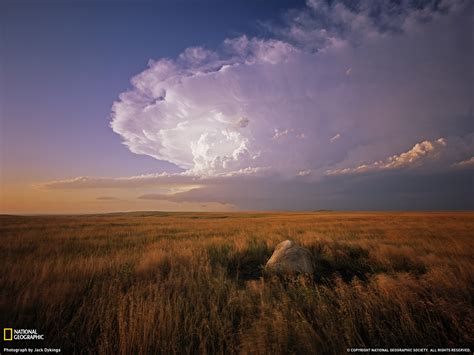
x: 290, y: 258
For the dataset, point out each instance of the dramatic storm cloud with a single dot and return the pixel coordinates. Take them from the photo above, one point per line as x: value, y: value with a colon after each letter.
x: 340, y: 84
x: 347, y: 105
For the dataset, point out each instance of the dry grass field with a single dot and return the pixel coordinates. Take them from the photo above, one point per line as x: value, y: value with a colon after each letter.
x: 165, y: 283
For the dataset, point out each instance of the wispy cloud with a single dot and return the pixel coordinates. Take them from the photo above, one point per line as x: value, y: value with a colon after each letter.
x: 335, y: 138
x: 139, y: 181
x: 414, y: 157
x: 107, y: 198
x: 465, y: 163
x: 176, y: 182
x: 281, y: 134
x: 304, y: 172
x: 324, y: 25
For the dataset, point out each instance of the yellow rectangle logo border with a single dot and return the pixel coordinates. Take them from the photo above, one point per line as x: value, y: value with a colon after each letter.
x: 5, y: 334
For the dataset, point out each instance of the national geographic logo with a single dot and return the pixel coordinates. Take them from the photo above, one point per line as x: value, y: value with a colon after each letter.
x: 7, y: 334
x: 10, y: 334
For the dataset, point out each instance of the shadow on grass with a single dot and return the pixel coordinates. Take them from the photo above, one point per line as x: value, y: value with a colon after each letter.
x: 331, y: 261
x: 344, y: 261
x: 241, y: 265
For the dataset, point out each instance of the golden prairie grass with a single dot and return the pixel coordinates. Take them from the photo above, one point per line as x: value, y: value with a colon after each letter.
x: 165, y: 283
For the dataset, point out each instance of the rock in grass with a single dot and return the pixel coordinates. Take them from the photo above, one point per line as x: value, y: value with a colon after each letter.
x: 290, y: 258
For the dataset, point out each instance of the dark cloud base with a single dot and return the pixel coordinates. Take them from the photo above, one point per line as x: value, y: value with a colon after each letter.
x: 451, y: 190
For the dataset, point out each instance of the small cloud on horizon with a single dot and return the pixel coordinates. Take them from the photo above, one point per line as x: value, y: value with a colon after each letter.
x: 164, y: 197
x: 107, y: 198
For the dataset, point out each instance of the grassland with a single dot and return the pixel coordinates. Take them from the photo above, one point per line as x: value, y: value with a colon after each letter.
x: 165, y: 283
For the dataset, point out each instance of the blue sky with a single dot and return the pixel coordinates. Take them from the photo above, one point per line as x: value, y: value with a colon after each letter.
x: 322, y: 100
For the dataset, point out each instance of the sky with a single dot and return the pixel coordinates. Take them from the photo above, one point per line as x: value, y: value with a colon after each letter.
x: 213, y: 105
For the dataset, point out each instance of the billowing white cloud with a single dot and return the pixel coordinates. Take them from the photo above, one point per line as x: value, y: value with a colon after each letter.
x: 276, y: 105
x: 286, y: 122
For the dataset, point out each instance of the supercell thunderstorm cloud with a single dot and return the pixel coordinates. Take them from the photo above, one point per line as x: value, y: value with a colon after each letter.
x: 311, y: 100
x: 336, y: 100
